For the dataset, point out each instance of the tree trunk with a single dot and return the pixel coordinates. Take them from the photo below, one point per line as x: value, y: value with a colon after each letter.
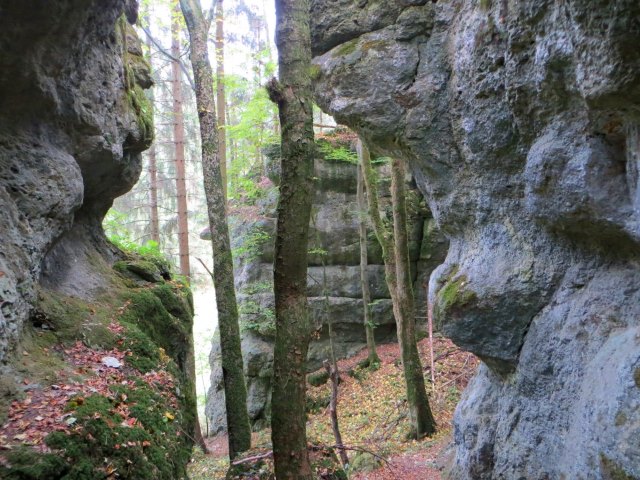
x: 332, y: 371
x: 220, y: 94
x: 292, y: 93
x: 419, y: 408
x: 234, y: 385
x: 178, y: 142
x: 364, y: 277
x: 153, y: 194
x: 395, y: 252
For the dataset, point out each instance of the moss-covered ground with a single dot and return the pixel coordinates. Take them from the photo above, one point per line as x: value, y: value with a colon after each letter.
x: 105, y: 391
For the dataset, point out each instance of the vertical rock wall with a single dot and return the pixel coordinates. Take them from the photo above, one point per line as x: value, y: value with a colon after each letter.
x: 520, y: 122
x: 73, y: 121
x: 334, y: 242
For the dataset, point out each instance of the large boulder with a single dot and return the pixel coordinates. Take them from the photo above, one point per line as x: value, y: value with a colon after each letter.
x: 520, y: 123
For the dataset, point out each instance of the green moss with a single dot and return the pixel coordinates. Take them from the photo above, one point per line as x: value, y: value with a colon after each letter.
x: 161, y: 329
x: 346, y: 48
x: 152, y: 447
x: 71, y: 318
x: 453, y: 295
x: 636, y: 377
x: 318, y: 378
x: 485, y: 5
x: 612, y: 471
x: 314, y: 72
x: 380, y: 45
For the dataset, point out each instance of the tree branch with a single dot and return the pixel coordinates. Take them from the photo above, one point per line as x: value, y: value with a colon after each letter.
x: 170, y: 57
x: 205, y: 267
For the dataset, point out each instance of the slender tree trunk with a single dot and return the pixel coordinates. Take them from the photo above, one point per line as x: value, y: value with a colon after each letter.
x: 332, y: 371
x: 430, y: 327
x: 153, y: 194
x: 234, y: 386
x: 292, y: 93
x: 419, y: 408
x: 178, y: 141
x: 153, y: 169
x: 395, y: 252
x: 364, y: 277
x: 220, y: 94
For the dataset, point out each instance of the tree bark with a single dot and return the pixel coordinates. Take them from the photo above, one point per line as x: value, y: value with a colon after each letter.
x: 220, y: 94
x: 364, y: 277
x: 178, y: 142
x: 292, y: 93
x: 153, y: 168
x: 332, y: 371
x: 153, y: 194
x: 419, y: 408
x: 395, y: 252
x: 234, y: 385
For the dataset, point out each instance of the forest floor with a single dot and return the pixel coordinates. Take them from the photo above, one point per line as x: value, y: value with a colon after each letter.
x: 373, y: 418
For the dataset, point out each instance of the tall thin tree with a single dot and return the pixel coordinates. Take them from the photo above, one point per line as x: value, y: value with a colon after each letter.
x: 153, y: 159
x: 372, y: 357
x: 234, y: 385
x: 178, y: 142
x: 220, y: 94
x: 395, y: 252
x: 292, y: 94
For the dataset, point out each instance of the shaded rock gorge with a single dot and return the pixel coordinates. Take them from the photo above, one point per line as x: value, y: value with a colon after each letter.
x: 333, y: 273
x: 519, y: 121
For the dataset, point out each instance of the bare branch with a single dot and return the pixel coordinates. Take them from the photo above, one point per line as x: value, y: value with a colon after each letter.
x: 205, y: 267
x: 262, y: 456
x: 170, y: 57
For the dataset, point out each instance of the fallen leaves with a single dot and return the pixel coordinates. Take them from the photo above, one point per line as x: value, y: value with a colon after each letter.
x: 45, y: 409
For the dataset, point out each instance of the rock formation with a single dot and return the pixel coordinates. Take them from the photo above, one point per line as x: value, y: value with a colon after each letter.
x: 73, y: 122
x: 334, y: 242
x: 520, y: 123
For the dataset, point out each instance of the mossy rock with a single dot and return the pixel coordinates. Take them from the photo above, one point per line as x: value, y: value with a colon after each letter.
x: 140, y: 269
x: 102, y: 444
x: 318, y: 378
x: 454, y: 295
x: 363, y: 462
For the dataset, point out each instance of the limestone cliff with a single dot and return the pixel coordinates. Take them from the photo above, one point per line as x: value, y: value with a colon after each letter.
x: 73, y: 122
x: 520, y: 123
x: 333, y: 268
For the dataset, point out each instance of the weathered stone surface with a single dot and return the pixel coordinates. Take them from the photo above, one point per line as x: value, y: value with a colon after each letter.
x: 334, y: 239
x: 70, y: 141
x: 519, y: 121
x: 72, y: 126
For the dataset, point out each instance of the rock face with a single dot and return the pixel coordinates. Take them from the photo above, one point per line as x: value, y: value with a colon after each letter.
x: 334, y: 241
x: 520, y: 123
x: 73, y: 121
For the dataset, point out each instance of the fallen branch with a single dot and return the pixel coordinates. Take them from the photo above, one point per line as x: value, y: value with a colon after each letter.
x: 262, y: 456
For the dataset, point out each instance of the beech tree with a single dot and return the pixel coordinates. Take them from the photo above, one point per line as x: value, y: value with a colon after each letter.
x: 292, y: 94
x: 395, y: 253
x: 234, y: 385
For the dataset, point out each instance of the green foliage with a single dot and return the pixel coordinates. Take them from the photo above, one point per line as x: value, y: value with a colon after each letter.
x: 258, y: 287
x: 339, y: 153
x: 257, y: 318
x: 252, y: 244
